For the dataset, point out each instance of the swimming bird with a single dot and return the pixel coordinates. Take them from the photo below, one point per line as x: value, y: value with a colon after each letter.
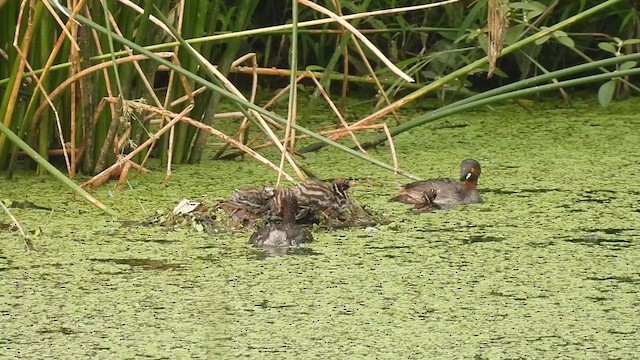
x: 285, y: 233
x: 443, y: 193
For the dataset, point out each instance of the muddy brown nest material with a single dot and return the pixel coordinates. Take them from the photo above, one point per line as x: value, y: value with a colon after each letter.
x: 355, y: 216
x: 202, y: 219
x: 246, y: 212
x: 234, y: 216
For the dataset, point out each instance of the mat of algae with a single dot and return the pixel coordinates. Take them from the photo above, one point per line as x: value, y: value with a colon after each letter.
x: 546, y: 267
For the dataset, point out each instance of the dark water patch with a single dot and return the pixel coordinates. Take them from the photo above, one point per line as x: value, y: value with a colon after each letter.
x: 480, y: 227
x: 449, y: 126
x: 265, y: 304
x: 598, y: 298
x: 157, y: 241
x: 505, y: 166
x: 267, y: 350
x: 62, y: 330
x: 26, y: 205
x: 595, y: 200
x: 499, y: 294
x: 424, y: 314
x: 599, y: 196
x: 609, y: 231
x: 145, y: 264
x: 621, y: 332
x: 519, y: 191
x: 38, y: 266
x: 390, y: 247
x: 518, y: 297
x: 109, y: 233
x: 212, y: 246
x: 570, y: 208
x: 595, y: 239
x: 268, y: 252
x: 481, y: 239
x: 134, y: 224
x: 620, y: 279
x: 542, y: 244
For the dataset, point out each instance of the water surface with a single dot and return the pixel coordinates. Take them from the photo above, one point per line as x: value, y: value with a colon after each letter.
x: 546, y: 267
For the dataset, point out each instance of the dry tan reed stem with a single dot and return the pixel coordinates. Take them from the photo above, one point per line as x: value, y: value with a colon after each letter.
x: 122, y: 180
x: 254, y: 85
x: 136, y: 65
x: 172, y: 134
x: 204, y: 127
x: 372, y: 73
x: 105, y: 173
x: 337, y: 112
x: 70, y: 37
x: 15, y: 221
x: 359, y: 35
x: 74, y: 58
x: 105, y: 70
x: 13, y: 98
x: 152, y: 18
x: 291, y: 119
x: 62, y: 87
x: 231, y: 88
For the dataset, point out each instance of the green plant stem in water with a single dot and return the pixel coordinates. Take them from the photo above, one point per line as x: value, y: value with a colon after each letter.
x: 247, y: 9
x: 476, y: 64
x: 293, y: 95
x: 438, y: 114
x: 462, y: 72
x: 542, y: 78
x: 52, y: 169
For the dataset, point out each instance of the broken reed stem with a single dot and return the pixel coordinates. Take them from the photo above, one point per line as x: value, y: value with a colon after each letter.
x: 338, y: 114
x: 63, y: 86
x: 15, y: 221
x: 329, y: 132
x: 199, y: 125
x: 122, y: 181
x: 361, y: 37
x: 105, y: 173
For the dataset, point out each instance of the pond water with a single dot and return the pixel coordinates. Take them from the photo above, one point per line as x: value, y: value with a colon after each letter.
x: 546, y: 267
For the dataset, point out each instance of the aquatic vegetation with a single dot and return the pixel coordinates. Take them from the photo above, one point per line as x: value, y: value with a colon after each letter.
x: 545, y: 267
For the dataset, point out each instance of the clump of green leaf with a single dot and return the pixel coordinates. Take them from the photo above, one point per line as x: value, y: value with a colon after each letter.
x: 608, y: 90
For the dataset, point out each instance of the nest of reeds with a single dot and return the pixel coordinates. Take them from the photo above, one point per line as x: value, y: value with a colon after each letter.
x: 249, y: 207
x: 328, y: 207
x: 190, y: 215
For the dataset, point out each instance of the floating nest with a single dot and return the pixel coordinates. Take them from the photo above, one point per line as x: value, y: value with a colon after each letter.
x: 355, y: 216
x: 249, y: 207
x: 187, y: 214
